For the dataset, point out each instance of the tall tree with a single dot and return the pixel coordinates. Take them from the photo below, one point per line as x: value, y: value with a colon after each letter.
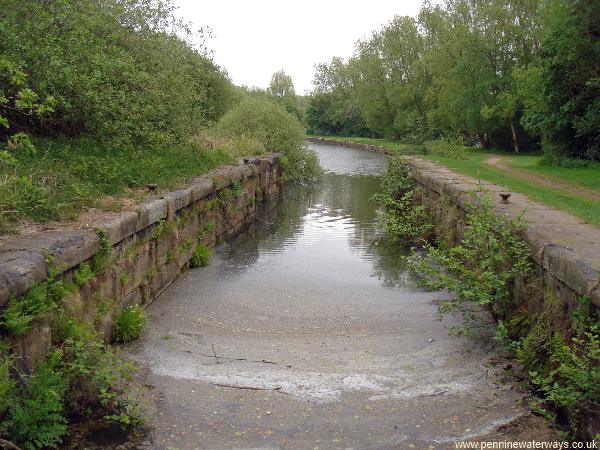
x: 282, y: 88
x: 569, y: 79
x: 281, y: 85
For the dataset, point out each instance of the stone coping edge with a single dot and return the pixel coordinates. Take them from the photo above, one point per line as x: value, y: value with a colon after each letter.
x: 23, y: 258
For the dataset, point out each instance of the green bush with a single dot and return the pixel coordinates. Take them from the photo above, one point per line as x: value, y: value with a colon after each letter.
x: 201, y: 256
x: 117, y: 69
x: 99, y: 376
x: 36, y: 416
x: 481, y: 270
x: 276, y: 130
x: 404, y: 219
x: 129, y: 324
x: 301, y: 165
x: 82, y: 377
x: 553, y: 156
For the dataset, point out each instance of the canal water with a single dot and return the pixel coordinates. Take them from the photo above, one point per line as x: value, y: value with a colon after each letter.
x: 306, y: 331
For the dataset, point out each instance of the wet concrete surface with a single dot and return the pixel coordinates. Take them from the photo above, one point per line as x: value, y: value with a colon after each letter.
x: 304, y: 333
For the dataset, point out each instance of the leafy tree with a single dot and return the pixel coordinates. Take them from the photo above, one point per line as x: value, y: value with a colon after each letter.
x: 564, y: 87
x: 281, y: 85
x: 333, y: 108
x: 117, y: 69
x: 282, y: 88
x: 504, y: 73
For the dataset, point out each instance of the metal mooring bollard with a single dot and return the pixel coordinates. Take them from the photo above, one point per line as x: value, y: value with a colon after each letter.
x: 505, y: 196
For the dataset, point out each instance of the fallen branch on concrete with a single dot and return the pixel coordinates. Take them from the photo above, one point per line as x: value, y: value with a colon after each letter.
x: 250, y: 388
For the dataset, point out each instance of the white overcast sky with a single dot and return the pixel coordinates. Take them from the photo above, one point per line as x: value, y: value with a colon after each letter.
x: 255, y: 38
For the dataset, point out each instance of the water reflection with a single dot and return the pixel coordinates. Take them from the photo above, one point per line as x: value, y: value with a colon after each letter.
x: 330, y: 224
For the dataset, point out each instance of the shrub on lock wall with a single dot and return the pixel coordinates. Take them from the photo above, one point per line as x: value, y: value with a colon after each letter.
x: 129, y: 324
x: 264, y: 121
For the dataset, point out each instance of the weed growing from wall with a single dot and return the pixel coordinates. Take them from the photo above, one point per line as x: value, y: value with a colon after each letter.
x: 480, y: 270
x: 201, y: 256
x: 102, y: 256
x: 21, y: 312
x: 564, y: 367
x: 204, y: 230
x: 129, y: 324
x: 405, y: 220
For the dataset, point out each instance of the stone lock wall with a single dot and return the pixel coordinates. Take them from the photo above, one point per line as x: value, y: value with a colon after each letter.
x: 150, y: 246
x: 565, y: 250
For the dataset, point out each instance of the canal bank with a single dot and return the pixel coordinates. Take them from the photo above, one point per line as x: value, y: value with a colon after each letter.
x: 566, y: 249
x: 117, y: 260
x: 304, y: 333
x: 551, y: 320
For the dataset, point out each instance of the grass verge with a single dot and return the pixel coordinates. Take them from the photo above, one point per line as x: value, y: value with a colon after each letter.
x: 66, y: 176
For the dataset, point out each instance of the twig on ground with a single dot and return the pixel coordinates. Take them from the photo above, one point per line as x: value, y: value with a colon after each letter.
x: 215, y: 353
x: 250, y: 388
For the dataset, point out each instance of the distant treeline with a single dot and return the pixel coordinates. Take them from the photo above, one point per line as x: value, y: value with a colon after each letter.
x: 520, y: 74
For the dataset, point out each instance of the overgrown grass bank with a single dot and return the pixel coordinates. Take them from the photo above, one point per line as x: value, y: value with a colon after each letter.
x: 472, y: 162
x: 66, y: 176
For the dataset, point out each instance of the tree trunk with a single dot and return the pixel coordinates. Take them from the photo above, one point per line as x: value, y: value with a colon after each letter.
x: 514, y: 135
x: 483, y: 141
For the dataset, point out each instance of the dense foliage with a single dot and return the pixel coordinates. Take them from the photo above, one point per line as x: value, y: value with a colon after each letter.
x: 504, y: 73
x: 82, y: 377
x: 282, y: 89
x: 489, y: 271
x: 564, y: 366
x: 114, y: 69
x: 275, y: 130
x: 405, y: 220
x: 481, y: 270
x: 97, y: 97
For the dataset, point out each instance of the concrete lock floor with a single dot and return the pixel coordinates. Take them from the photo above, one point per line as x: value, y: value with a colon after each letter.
x: 306, y: 333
